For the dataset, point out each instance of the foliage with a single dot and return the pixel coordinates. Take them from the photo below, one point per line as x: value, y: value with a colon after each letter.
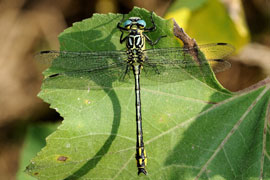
x: 211, y: 21
x: 34, y: 141
x: 192, y: 128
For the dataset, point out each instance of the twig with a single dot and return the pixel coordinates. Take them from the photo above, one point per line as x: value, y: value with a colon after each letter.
x: 189, y: 43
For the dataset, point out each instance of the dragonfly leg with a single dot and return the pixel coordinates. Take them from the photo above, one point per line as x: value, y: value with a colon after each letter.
x: 122, y: 29
x: 155, y: 68
x: 119, y: 24
x: 152, y: 43
x: 122, y: 78
x: 153, y: 28
x: 121, y: 37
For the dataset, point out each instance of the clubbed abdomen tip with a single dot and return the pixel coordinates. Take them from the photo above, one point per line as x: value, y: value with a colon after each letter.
x: 142, y: 170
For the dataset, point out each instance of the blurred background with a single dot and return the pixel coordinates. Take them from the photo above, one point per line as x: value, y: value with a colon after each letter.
x: 29, y: 26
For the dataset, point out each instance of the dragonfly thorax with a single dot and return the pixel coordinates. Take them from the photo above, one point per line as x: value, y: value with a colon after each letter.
x: 135, y: 44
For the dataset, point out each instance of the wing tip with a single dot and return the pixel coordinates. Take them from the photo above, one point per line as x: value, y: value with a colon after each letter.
x: 222, y: 44
x: 53, y: 75
x: 219, y: 60
x: 45, y: 52
x: 227, y: 45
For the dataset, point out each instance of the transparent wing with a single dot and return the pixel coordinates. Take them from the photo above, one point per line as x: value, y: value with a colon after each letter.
x: 67, y: 61
x: 105, y: 78
x: 170, y: 73
x: 216, y: 50
x: 84, y: 70
x: 107, y: 69
x: 180, y: 56
x: 176, y: 64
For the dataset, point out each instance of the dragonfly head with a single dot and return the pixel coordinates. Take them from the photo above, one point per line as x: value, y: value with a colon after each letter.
x: 134, y: 23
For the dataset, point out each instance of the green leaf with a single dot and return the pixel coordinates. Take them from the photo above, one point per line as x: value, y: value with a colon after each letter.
x: 34, y: 141
x: 192, y: 128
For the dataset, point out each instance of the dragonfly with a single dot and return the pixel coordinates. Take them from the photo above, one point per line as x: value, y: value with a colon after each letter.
x: 158, y: 65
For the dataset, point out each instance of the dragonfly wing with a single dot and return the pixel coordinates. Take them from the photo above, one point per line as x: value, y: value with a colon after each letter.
x: 67, y: 61
x: 216, y: 50
x: 219, y: 65
x: 105, y: 78
x: 173, y: 72
x: 84, y: 70
x: 211, y: 51
x: 181, y: 57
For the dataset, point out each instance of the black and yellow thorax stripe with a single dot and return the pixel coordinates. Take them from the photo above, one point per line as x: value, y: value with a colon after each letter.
x: 135, y: 44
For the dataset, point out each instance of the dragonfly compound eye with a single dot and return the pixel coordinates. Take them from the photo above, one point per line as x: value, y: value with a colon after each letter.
x: 141, y: 23
x: 127, y: 23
